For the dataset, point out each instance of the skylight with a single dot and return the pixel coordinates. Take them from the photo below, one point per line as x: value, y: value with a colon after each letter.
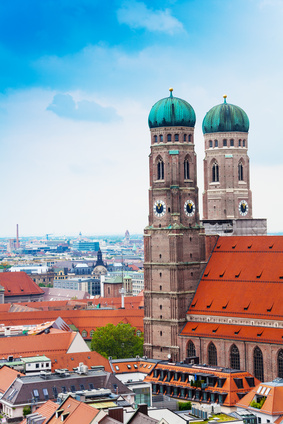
x: 259, y: 389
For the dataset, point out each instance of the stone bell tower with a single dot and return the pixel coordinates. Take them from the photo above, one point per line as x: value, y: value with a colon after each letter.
x: 227, y: 198
x: 174, y: 241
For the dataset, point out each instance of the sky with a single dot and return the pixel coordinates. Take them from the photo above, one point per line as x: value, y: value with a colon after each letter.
x: 78, y: 79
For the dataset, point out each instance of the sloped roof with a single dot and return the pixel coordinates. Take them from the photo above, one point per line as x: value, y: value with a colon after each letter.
x: 41, y: 344
x: 236, y: 332
x: 77, y: 412
x: 229, y: 376
x: 82, y: 319
x: 244, y: 278
x: 18, y: 283
x: 273, y: 404
x: 7, y: 376
x: 46, y: 410
x: 72, y: 360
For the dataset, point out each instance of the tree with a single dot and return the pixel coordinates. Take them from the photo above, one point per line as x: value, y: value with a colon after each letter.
x: 118, y: 341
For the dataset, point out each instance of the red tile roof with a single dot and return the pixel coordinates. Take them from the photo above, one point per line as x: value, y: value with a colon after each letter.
x: 77, y: 412
x: 242, y: 278
x: 229, y: 386
x: 82, y: 319
x: 273, y: 404
x: 41, y: 344
x: 18, y: 283
x: 46, y: 410
x: 72, y: 360
x: 233, y: 332
x: 7, y: 376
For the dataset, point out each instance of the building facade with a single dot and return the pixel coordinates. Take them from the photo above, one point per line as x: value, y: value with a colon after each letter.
x: 174, y: 241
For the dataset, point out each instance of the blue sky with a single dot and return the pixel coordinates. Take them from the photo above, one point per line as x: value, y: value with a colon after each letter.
x: 78, y: 79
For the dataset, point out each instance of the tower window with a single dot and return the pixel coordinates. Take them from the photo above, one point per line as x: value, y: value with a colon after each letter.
x: 190, y: 137
x: 244, y: 143
x: 224, y: 142
x: 160, y: 274
x: 161, y: 138
x: 186, y: 170
x: 160, y: 307
x: 240, y: 172
x: 155, y: 139
x: 215, y: 172
x: 161, y: 333
x: 176, y: 137
x: 169, y: 137
x: 280, y: 363
x: 210, y: 143
x: 231, y: 143
x: 240, y: 143
x: 160, y: 170
x: 215, y: 143
x: 185, y: 137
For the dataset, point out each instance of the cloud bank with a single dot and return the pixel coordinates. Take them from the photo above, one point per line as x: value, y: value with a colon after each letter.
x: 137, y: 15
x: 65, y: 106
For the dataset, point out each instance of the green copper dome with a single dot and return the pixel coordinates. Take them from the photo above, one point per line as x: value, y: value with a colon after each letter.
x: 225, y: 118
x: 171, y: 112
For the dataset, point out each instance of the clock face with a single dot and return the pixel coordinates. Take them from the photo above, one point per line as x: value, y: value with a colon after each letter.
x: 159, y: 208
x: 189, y: 208
x: 243, y: 207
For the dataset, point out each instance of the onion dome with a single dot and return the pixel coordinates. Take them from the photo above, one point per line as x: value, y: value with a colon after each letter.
x: 225, y: 118
x: 171, y: 112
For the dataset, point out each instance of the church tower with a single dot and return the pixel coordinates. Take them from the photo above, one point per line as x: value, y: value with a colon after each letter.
x: 174, y: 241
x: 227, y: 198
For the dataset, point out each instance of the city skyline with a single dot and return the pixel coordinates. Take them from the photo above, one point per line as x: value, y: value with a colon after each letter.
x: 78, y: 81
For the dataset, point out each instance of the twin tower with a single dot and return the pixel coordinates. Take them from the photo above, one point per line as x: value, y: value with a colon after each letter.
x: 175, y: 241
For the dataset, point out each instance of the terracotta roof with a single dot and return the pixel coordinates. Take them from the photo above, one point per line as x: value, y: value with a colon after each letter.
x: 234, y: 332
x: 41, y: 344
x: 82, y: 319
x: 18, y: 283
x: 238, y: 268
x: 72, y: 360
x: 273, y: 404
x: 75, y: 412
x: 7, y: 376
x: 46, y: 410
x: 229, y: 386
x: 129, y: 365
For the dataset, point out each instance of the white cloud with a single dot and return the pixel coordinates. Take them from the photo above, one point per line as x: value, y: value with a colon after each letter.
x: 65, y: 106
x: 137, y: 15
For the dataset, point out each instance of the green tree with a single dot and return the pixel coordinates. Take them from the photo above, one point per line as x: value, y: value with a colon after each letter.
x: 118, y: 341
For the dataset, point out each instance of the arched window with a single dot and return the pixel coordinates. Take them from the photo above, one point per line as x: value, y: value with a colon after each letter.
x: 210, y: 143
x: 185, y: 137
x: 231, y: 143
x: 108, y: 290
x: 160, y: 170
x: 234, y: 357
x: 240, y: 172
x: 169, y: 137
x: 224, y: 142
x: 84, y: 333
x: 155, y: 139
x: 186, y: 170
x: 212, y: 354
x: 280, y: 363
x: 215, y: 143
x: 258, y: 364
x: 240, y: 142
x: 176, y: 137
x: 244, y: 143
x: 215, y: 172
x: 190, y: 137
x: 191, y: 350
x: 161, y: 138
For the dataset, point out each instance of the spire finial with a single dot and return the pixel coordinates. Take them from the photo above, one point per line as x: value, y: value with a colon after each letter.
x: 225, y: 97
x: 171, y: 90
